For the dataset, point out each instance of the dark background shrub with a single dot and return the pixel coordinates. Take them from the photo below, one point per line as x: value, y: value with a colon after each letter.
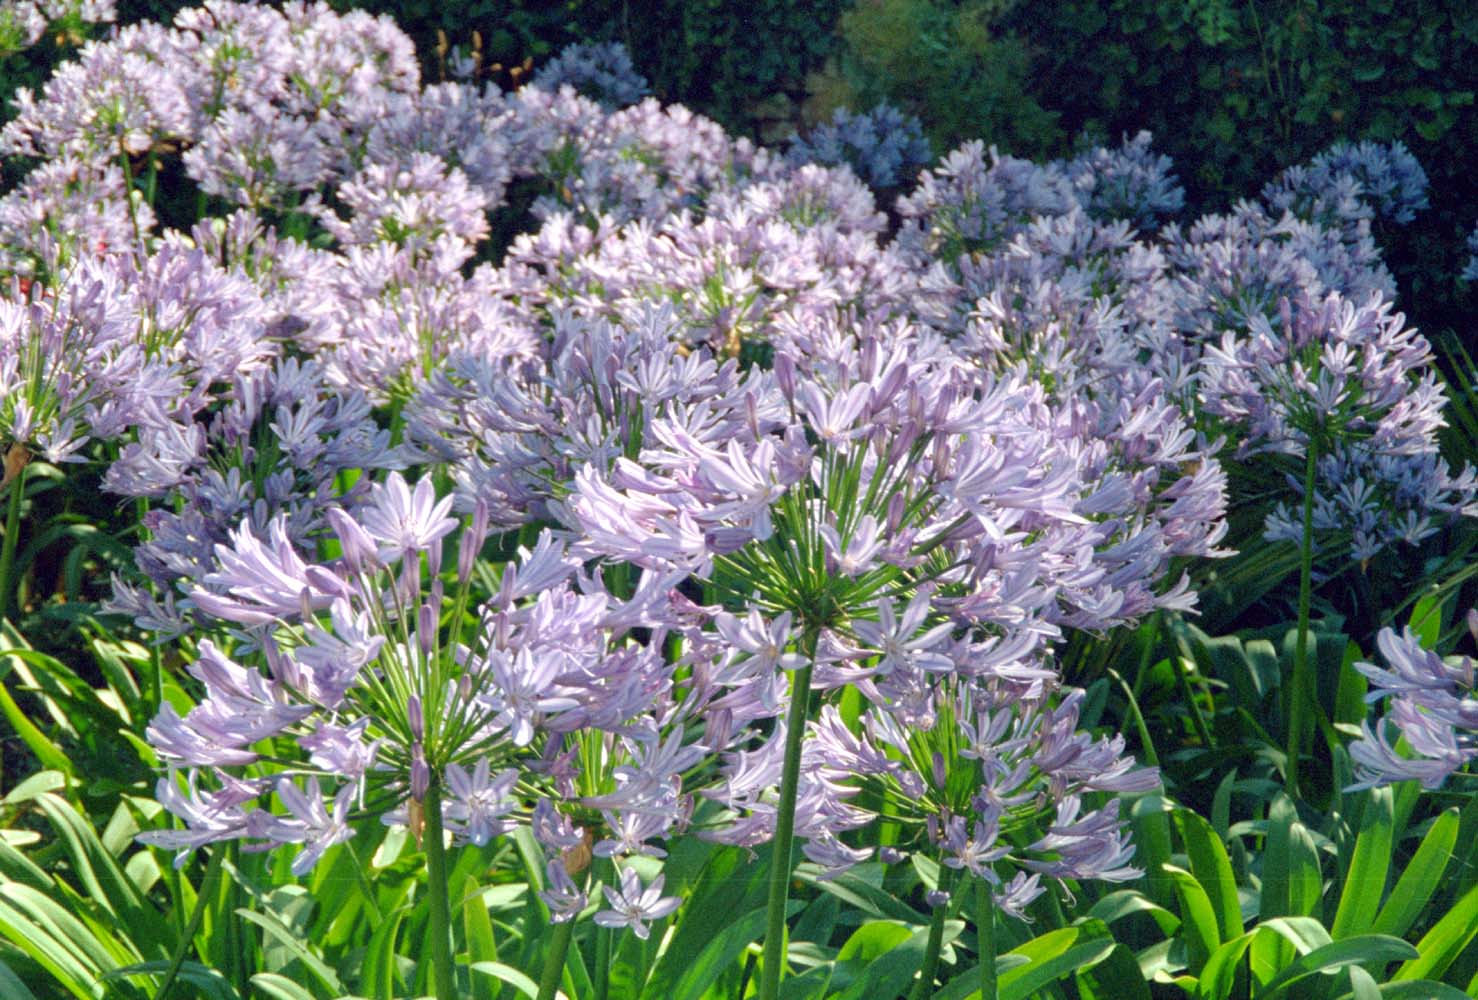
x: 1232, y: 89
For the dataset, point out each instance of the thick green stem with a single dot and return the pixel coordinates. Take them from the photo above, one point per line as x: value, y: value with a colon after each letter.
x: 439, y: 924
x: 985, y: 929
x: 780, y: 859
x: 554, y: 962
x: 1302, y: 692
x: 925, y: 985
x: 12, y: 535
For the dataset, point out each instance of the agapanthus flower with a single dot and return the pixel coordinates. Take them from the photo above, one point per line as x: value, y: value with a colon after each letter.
x: 884, y: 147
x: 72, y: 366
x: 1352, y: 381
x: 272, y: 449
x: 975, y: 198
x: 1427, y: 701
x: 379, y: 687
x: 1353, y: 181
x: 23, y: 22
x: 1130, y: 182
x: 602, y: 71
x: 990, y: 774
x: 634, y: 906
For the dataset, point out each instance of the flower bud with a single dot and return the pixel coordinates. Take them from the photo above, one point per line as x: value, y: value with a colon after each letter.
x: 358, y: 547
x: 416, y: 718
x: 420, y: 774
x: 426, y: 628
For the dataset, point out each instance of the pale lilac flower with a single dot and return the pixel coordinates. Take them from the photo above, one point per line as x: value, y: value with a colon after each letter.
x: 976, y: 851
x: 311, y: 824
x: 403, y: 521
x: 478, y: 801
x: 1429, y: 703
x: 898, y: 641
x: 561, y: 895
x: 632, y: 906
x: 765, y: 642
x: 1129, y: 182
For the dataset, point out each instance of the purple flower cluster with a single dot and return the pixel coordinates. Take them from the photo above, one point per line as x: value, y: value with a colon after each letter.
x: 1131, y: 182
x: 1428, y: 702
x: 1351, y: 381
x: 601, y: 71
x: 739, y: 429
x: 24, y: 22
x: 1350, y: 182
x: 884, y: 147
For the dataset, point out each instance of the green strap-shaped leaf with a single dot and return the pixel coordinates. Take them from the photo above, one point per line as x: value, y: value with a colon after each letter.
x: 482, y: 946
x: 853, y: 890
x: 295, y: 947
x: 1276, y: 862
x: 1361, y: 949
x: 1197, y: 919
x: 1021, y: 983
x: 1420, y: 989
x: 1306, y: 878
x: 206, y: 983
x: 1363, y: 985
x: 66, y: 967
x: 1117, y: 905
x: 1421, y: 878
x: 100, y: 874
x: 891, y: 973
x: 1117, y: 977
x: 37, y: 784
x: 280, y: 987
x: 1441, y: 945
x: 1213, y: 869
x: 11, y: 985
x: 721, y: 951
x: 507, y: 974
x: 378, y: 978
x: 47, y: 752
x: 1219, y: 974
x: 1365, y: 881
x: 1151, y: 821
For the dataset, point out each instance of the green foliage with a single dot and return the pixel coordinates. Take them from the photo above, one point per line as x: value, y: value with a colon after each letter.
x: 1272, y: 907
x: 953, y: 64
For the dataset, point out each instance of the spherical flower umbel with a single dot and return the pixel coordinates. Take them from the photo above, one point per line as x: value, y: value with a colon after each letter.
x: 379, y: 682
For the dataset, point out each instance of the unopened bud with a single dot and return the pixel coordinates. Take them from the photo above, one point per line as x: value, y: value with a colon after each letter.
x: 466, y: 556
x: 416, y: 718
x: 426, y: 628
x: 785, y: 374
x: 420, y: 774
